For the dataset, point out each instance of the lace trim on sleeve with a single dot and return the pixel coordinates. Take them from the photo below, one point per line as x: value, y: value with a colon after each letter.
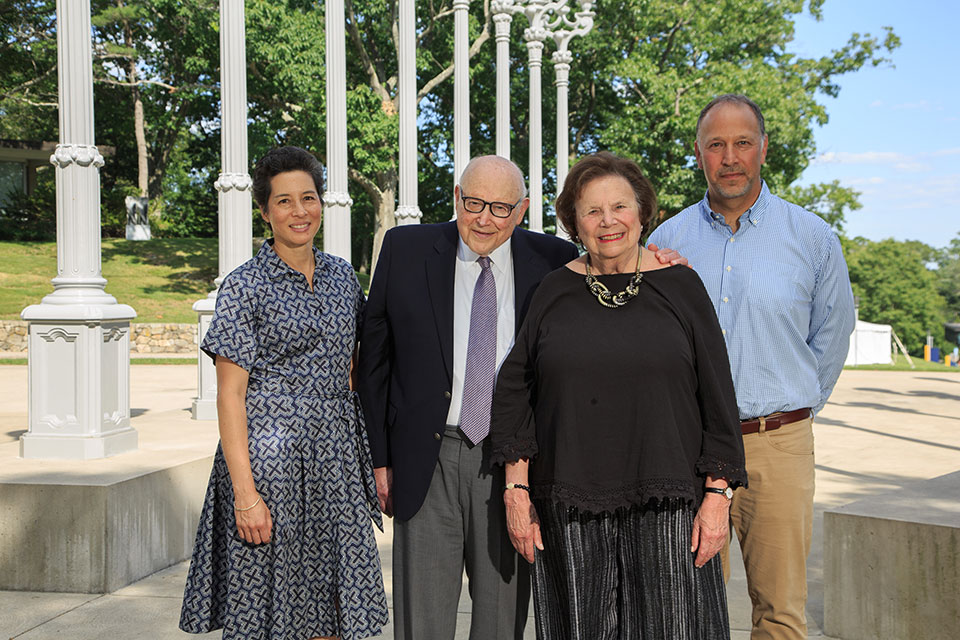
x: 514, y: 450
x: 736, y: 475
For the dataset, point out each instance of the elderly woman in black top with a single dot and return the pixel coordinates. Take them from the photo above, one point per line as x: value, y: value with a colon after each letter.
x: 616, y: 417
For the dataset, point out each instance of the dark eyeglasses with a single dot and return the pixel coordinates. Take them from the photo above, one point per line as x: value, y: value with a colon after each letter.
x: 497, y: 209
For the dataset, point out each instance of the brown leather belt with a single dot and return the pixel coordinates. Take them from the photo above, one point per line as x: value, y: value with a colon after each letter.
x: 774, y: 421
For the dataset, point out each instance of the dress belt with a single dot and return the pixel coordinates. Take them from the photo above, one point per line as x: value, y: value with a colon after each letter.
x: 774, y: 420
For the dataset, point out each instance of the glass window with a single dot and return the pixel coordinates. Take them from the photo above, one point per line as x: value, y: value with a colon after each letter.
x: 12, y: 178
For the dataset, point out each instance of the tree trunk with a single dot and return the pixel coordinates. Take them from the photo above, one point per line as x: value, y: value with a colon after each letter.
x: 143, y: 174
x: 385, y: 208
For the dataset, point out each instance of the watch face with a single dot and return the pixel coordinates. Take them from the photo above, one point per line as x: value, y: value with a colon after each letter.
x: 729, y: 493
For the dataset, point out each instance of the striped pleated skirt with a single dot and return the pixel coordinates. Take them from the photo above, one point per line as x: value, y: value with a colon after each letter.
x: 625, y: 575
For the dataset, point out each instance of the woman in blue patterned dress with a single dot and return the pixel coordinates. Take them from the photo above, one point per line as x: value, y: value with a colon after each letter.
x: 285, y: 549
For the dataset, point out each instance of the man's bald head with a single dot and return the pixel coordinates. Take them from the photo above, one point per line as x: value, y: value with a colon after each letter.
x: 490, y: 179
x: 493, y: 166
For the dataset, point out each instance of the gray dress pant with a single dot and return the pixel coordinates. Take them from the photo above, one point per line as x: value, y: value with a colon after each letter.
x: 461, y: 524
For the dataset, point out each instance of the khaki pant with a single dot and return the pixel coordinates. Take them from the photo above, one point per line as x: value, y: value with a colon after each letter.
x: 773, y: 519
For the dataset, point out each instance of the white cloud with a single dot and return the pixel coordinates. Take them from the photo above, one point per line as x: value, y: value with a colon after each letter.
x: 864, y: 157
x: 945, y: 152
x: 921, y: 105
x: 910, y: 163
x: 856, y: 182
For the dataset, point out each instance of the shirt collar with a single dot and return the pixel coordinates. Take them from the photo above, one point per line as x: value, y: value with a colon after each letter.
x: 499, y: 257
x: 753, y: 214
x: 275, y: 267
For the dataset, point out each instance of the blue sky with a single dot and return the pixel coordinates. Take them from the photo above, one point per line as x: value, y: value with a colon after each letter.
x: 894, y: 132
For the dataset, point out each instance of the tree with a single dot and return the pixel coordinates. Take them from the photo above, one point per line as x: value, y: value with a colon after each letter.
x: 637, y: 83
x: 828, y: 200
x: 896, y: 288
x: 649, y: 66
x: 948, y: 279
x: 28, y: 57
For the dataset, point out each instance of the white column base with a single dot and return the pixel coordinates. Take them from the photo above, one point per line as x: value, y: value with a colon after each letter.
x: 79, y: 381
x: 138, y: 232
x: 203, y: 409
x: 78, y: 447
x: 205, y: 404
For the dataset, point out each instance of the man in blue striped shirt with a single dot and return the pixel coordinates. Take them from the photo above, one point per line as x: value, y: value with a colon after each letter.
x: 779, y: 283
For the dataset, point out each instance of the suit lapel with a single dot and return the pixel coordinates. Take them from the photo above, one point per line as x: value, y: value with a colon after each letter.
x: 529, y: 267
x: 440, y: 271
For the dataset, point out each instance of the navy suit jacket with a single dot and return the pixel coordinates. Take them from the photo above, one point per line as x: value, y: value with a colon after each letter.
x: 406, y: 345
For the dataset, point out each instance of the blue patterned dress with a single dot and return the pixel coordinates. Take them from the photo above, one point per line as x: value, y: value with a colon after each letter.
x: 310, y: 460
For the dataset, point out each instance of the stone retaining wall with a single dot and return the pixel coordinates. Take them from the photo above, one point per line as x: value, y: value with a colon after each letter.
x: 144, y: 337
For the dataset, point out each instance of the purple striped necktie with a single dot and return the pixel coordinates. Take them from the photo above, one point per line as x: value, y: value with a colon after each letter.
x: 481, y: 357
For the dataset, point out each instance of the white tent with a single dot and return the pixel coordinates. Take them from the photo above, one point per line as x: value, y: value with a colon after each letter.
x: 870, y: 344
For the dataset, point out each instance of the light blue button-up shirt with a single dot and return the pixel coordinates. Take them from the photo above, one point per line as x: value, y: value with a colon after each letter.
x: 782, y: 294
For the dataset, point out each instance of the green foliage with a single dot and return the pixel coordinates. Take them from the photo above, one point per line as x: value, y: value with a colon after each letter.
x: 637, y: 83
x: 649, y: 66
x: 895, y: 287
x: 948, y: 279
x: 33, y: 218
x: 828, y: 200
x: 28, y: 57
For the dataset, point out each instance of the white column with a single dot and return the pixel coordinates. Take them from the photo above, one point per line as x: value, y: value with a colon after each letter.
x: 233, y: 188
x: 578, y: 26
x: 407, y: 210
x: 461, y: 88
x: 79, y: 337
x: 561, y: 62
x: 503, y: 11
x: 535, y: 35
x: 535, y: 134
x: 337, y: 201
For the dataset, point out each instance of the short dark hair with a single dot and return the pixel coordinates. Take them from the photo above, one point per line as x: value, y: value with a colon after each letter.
x: 281, y: 160
x: 733, y: 98
x: 599, y: 165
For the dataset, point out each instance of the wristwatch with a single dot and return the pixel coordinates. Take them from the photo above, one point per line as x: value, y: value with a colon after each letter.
x: 726, y: 493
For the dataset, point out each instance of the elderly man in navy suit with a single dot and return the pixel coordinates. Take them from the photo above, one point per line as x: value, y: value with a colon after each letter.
x: 444, y: 306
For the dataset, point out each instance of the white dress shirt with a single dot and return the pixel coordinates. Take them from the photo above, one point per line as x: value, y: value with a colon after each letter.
x: 465, y: 280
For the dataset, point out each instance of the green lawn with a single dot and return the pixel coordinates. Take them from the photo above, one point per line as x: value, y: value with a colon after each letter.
x: 900, y: 364
x: 160, y: 279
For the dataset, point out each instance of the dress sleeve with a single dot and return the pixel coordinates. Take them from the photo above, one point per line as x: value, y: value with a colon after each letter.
x: 232, y: 332
x: 721, y: 453
x: 512, y: 426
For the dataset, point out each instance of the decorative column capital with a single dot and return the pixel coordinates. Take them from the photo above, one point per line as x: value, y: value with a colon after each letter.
x: 238, y: 181
x: 407, y: 212
x: 340, y: 198
x: 535, y: 52
x: 83, y: 155
x: 501, y: 23
x: 461, y: 5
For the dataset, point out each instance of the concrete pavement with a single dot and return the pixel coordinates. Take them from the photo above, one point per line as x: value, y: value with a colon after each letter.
x: 880, y: 432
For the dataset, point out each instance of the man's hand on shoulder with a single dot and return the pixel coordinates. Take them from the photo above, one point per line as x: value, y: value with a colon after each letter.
x: 668, y: 256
